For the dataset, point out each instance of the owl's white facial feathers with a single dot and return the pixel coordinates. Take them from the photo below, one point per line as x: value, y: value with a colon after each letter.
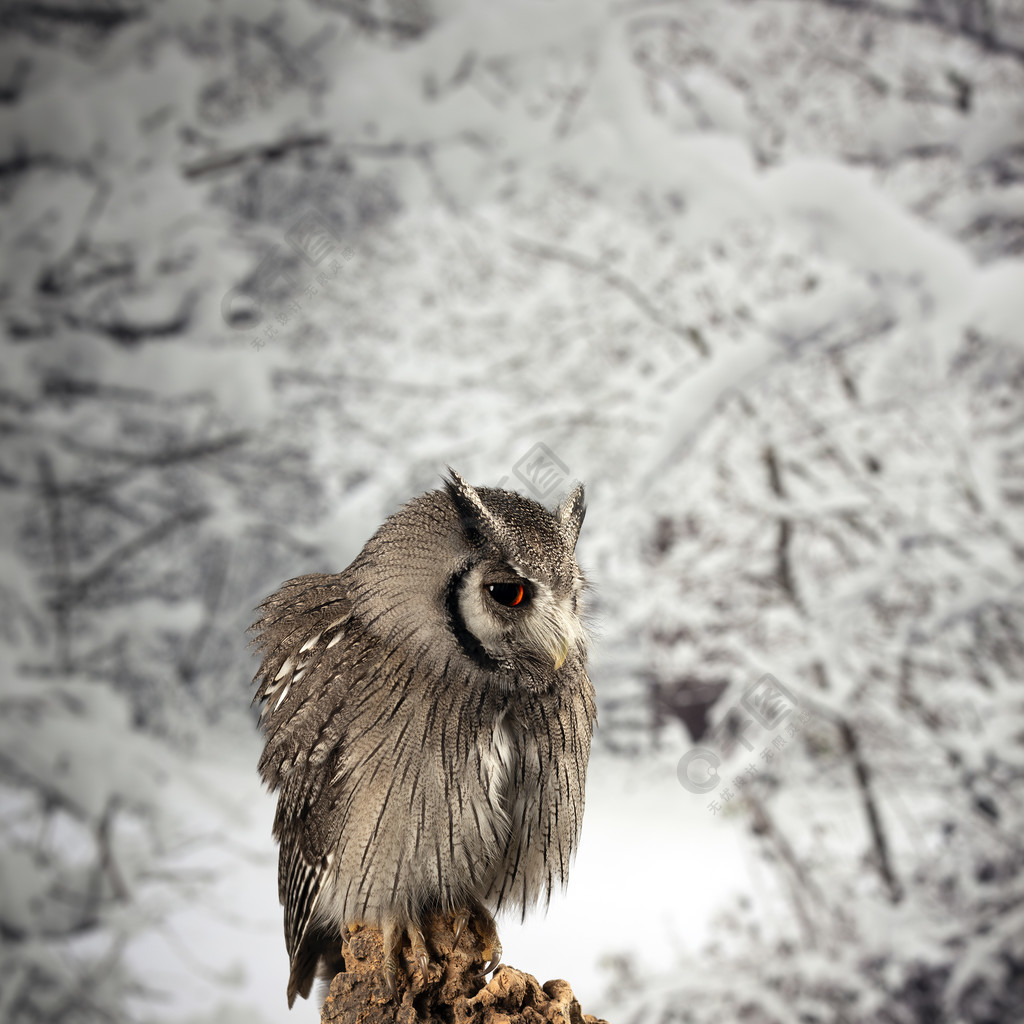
x: 548, y: 626
x: 518, y: 541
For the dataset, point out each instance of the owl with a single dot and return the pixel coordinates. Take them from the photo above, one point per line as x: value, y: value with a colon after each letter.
x: 428, y: 719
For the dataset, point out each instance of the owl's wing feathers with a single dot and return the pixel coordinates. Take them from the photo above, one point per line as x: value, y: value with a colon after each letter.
x: 308, y: 838
x: 309, y: 638
x: 291, y: 625
x: 305, y: 635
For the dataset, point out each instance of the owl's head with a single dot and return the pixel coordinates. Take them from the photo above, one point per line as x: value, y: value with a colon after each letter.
x: 518, y: 595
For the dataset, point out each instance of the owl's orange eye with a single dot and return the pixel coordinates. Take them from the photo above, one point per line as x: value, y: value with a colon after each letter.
x: 508, y: 594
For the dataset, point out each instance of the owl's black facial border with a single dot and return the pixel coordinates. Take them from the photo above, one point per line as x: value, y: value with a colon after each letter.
x: 469, y: 643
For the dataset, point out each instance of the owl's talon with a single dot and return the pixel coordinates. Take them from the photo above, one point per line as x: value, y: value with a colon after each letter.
x: 391, y: 981
x: 493, y: 965
x: 419, y: 952
x: 461, y: 920
x: 485, y: 927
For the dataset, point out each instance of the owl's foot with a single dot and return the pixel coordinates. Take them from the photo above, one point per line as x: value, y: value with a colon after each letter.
x: 419, y: 952
x: 393, y: 938
x: 392, y: 948
x: 485, y: 927
x: 395, y: 934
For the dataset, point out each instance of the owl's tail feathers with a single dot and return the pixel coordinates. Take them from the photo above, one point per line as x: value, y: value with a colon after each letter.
x: 318, y: 947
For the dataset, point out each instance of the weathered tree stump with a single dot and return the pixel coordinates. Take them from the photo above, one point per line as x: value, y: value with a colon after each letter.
x: 454, y: 993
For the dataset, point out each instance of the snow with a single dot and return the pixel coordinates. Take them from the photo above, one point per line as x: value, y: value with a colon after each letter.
x: 652, y: 862
x: 750, y: 270
x: 228, y: 945
x: 998, y: 301
x: 222, y: 948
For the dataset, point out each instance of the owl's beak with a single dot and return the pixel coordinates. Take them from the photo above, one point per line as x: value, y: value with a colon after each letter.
x: 560, y: 650
x: 557, y: 631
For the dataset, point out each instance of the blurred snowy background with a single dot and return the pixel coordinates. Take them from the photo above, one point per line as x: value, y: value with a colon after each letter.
x: 752, y: 269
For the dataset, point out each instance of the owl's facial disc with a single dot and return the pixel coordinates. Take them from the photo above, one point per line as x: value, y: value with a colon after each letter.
x: 513, y: 617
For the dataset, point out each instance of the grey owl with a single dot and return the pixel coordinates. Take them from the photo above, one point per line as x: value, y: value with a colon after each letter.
x: 428, y: 719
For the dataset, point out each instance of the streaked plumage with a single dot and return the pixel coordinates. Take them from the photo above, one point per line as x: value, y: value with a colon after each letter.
x: 428, y: 733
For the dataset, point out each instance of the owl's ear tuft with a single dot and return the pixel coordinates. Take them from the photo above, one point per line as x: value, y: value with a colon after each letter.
x: 478, y: 521
x: 569, y: 516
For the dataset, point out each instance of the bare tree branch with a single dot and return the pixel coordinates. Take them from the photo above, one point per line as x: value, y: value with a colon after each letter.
x: 78, y: 589
x: 60, y: 558
x: 620, y: 283
x: 883, y: 858
x: 267, y: 152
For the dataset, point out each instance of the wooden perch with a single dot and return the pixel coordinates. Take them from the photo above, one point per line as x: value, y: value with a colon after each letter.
x: 454, y: 994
